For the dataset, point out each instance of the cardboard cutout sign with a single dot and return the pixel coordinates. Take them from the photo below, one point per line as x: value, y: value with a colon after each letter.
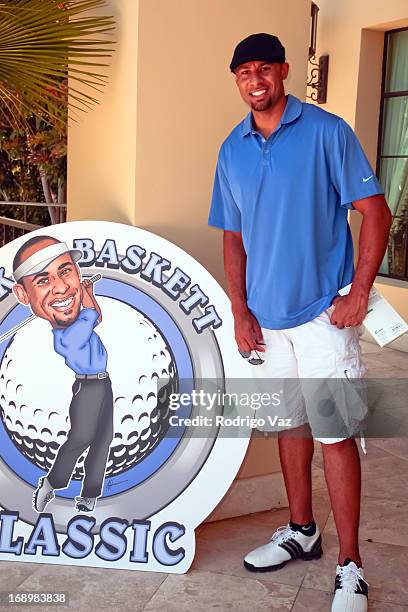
x: 105, y: 332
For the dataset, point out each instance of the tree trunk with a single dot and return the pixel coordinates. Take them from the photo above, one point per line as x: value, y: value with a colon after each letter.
x: 61, y: 199
x: 48, y: 195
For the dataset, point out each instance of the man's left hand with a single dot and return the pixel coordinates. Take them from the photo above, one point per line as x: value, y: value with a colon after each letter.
x: 350, y: 310
x: 87, y: 286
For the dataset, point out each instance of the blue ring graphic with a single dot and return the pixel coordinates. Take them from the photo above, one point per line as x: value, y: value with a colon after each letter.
x: 144, y: 469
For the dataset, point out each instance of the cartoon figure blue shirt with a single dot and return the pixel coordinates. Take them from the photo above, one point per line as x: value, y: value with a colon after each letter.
x: 81, y: 347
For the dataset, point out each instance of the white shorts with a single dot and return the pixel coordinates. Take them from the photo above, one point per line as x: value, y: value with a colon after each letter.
x: 314, y: 365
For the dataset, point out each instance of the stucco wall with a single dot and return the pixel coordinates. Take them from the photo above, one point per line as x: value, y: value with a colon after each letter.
x: 188, y: 103
x: 352, y: 33
x: 146, y: 155
x: 102, y: 144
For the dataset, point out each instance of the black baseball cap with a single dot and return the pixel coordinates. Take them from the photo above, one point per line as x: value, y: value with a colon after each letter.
x: 258, y: 47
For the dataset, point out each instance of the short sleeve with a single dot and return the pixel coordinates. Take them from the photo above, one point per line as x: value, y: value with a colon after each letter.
x: 80, y: 331
x: 224, y: 212
x: 350, y: 172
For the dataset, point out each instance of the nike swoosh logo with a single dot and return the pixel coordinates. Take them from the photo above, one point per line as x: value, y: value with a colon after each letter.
x: 367, y: 179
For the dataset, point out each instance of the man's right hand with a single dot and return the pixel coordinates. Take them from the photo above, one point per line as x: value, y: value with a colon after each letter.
x: 248, y: 333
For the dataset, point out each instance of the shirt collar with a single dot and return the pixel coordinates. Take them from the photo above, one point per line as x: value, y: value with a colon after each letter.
x: 293, y: 110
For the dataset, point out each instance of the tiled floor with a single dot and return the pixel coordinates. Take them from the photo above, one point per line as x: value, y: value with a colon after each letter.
x: 217, y: 580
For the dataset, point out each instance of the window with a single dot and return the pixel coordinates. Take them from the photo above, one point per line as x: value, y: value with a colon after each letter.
x: 392, y: 161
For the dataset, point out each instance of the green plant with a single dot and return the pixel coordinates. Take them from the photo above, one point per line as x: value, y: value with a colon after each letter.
x: 33, y: 166
x: 42, y: 43
x: 51, y: 54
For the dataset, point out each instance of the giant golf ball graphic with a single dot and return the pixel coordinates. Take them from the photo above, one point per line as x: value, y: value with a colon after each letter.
x: 36, y: 388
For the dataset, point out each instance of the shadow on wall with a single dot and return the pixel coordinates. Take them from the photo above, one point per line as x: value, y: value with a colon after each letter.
x: 201, y: 242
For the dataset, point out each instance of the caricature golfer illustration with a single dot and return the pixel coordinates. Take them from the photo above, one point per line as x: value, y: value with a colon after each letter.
x: 49, y: 281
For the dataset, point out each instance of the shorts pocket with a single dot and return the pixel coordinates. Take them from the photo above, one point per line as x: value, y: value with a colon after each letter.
x: 350, y: 365
x: 352, y: 396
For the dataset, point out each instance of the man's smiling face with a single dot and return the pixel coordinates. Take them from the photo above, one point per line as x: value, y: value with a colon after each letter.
x: 54, y: 294
x: 261, y: 84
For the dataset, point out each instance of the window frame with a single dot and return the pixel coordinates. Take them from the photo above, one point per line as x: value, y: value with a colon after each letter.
x: 383, y: 98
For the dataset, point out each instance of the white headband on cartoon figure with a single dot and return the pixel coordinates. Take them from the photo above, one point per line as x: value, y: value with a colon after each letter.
x: 38, y: 261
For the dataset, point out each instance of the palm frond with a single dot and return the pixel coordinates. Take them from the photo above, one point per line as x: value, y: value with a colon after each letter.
x: 45, y: 44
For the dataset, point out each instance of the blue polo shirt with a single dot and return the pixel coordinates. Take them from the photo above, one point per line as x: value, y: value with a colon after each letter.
x: 289, y: 197
x: 80, y: 346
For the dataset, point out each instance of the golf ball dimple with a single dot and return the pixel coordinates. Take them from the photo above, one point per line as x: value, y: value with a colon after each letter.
x: 36, y: 388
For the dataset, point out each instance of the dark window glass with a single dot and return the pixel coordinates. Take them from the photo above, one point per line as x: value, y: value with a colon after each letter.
x: 392, y: 166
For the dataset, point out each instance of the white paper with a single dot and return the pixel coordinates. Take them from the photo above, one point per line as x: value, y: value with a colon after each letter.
x: 382, y: 321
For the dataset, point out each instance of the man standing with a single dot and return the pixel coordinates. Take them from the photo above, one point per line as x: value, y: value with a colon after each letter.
x: 48, y: 280
x: 286, y: 177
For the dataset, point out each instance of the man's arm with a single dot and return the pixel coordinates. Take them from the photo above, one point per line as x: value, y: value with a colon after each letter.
x: 248, y: 334
x: 377, y: 219
x: 88, y: 298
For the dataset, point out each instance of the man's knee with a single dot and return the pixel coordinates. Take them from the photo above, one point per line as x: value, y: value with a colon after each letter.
x: 77, y: 441
x: 336, y: 444
x: 296, y: 431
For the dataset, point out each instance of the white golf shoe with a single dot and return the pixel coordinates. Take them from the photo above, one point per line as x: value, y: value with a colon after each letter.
x: 286, y: 544
x: 43, y: 494
x: 350, y: 589
x: 85, y: 504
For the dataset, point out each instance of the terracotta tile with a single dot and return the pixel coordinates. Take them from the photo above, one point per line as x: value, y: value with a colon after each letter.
x: 387, y: 405
x: 373, y: 452
x: 395, y: 446
x: 394, y: 487
x: 99, y: 589
x: 12, y: 574
x: 369, y: 347
x: 202, y: 591
x: 318, y: 479
x: 377, y: 370
x: 311, y: 600
x: 395, y: 358
x: 382, y: 466
x: 222, y: 546
x: 321, y: 507
x: 317, y: 460
x: 384, y: 606
x: 385, y: 566
x: 321, y: 511
x: 379, y: 521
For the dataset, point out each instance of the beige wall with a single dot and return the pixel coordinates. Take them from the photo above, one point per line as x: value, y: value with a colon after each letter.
x: 146, y: 155
x: 262, y: 458
x: 102, y: 144
x: 188, y: 103
x: 352, y: 33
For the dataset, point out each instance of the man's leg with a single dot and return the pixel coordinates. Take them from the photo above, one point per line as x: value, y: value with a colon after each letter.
x: 296, y: 452
x: 95, y: 462
x: 300, y: 539
x: 330, y: 367
x: 83, y: 423
x: 343, y: 476
x: 280, y: 371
